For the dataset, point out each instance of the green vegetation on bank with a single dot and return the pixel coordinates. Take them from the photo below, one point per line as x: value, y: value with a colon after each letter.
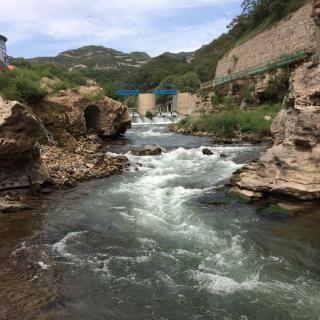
x: 28, y: 83
x: 233, y: 121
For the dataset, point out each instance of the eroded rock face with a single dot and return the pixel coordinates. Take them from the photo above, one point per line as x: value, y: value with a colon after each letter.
x: 292, y: 166
x: 71, y: 115
x: 20, y: 163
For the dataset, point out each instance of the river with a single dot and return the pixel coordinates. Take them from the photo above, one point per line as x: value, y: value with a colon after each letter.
x: 149, y: 245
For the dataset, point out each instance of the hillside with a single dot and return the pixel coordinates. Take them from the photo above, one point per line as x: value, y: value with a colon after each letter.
x: 97, y: 58
x: 114, y: 69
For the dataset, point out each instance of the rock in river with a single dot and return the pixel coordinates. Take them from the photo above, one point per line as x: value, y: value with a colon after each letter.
x: 147, y: 150
x: 207, y: 152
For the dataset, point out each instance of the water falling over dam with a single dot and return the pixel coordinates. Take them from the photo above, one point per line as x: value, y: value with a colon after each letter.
x: 158, y: 119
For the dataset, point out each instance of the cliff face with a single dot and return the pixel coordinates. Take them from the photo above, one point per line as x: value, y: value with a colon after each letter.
x: 292, y: 166
x: 20, y: 163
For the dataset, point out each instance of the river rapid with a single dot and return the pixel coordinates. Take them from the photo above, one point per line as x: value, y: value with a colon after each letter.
x: 149, y: 245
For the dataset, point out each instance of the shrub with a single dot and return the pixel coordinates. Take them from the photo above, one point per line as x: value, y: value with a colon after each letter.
x: 94, y: 96
x: 228, y: 102
x: 216, y: 100
x: 29, y: 92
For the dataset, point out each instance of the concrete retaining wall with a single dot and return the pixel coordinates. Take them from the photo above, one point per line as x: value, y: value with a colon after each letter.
x: 296, y: 32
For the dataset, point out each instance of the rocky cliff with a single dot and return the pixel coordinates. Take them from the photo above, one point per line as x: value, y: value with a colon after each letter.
x: 20, y: 162
x: 292, y: 166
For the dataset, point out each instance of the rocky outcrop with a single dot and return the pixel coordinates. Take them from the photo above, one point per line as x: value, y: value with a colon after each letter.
x: 71, y: 115
x: 147, y: 150
x: 292, y: 166
x: 20, y: 163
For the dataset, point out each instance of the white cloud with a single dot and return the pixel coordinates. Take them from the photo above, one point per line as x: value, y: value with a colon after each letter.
x: 104, y: 21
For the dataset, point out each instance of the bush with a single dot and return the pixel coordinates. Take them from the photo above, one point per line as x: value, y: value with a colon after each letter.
x: 277, y: 89
x: 23, y: 85
x: 94, y: 96
x: 216, y: 100
x: 228, y: 103
x: 29, y: 92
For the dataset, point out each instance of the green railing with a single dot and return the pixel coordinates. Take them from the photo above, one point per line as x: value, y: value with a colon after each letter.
x: 269, y: 66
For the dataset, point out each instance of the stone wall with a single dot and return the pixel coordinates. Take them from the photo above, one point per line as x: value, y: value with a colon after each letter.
x: 296, y: 32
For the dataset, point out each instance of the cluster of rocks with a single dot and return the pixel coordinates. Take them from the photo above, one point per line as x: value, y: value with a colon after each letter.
x: 291, y: 168
x: 88, y: 162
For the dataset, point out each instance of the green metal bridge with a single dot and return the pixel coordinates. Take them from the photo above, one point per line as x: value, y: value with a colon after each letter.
x: 282, y: 61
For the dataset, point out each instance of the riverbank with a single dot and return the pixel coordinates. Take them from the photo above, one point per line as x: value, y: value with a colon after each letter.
x: 237, y: 138
x: 228, y: 123
x: 66, y: 169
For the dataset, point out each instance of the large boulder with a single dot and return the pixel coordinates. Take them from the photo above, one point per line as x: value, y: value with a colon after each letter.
x: 292, y: 166
x: 147, y: 150
x: 20, y: 163
x: 70, y: 115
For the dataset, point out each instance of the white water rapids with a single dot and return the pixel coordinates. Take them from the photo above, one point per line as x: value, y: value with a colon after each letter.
x: 149, y: 245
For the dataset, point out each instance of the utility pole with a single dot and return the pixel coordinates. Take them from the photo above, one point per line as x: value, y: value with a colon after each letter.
x: 316, y: 18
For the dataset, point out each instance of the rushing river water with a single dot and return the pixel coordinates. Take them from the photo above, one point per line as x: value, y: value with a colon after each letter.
x: 148, y: 245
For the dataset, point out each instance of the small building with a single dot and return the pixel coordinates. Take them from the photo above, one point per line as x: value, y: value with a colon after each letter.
x: 3, y: 49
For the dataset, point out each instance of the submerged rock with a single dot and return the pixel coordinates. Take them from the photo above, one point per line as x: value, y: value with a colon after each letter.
x: 20, y: 162
x: 291, y: 167
x: 147, y: 150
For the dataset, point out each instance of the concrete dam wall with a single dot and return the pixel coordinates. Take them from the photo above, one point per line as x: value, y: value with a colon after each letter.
x: 294, y: 33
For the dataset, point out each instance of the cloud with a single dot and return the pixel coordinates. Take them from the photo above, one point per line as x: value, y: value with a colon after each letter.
x: 126, y: 24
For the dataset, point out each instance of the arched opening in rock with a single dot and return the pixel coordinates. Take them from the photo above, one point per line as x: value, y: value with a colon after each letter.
x: 92, y: 117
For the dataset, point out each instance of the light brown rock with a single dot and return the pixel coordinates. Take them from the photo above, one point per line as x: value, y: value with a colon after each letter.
x: 292, y: 166
x: 20, y: 163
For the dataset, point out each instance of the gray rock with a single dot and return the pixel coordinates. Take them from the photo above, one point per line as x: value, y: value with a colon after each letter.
x: 207, y: 152
x: 147, y: 150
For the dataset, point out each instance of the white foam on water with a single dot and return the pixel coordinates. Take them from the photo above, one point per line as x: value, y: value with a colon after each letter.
x: 43, y: 266
x: 61, y: 247
x: 168, y: 182
x: 153, y: 133
x: 220, y: 284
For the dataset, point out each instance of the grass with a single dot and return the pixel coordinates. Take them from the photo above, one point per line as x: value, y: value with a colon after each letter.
x: 232, y: 121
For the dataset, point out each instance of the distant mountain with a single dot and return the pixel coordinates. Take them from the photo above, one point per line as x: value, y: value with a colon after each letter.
x: 96, y: 58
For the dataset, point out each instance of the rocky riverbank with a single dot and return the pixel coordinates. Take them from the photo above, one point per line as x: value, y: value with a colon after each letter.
x: 238, y: 137
x: 291, y: 168
x: 74, y: 135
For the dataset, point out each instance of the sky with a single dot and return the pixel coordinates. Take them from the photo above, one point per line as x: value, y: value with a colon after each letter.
x: 48, y: 27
